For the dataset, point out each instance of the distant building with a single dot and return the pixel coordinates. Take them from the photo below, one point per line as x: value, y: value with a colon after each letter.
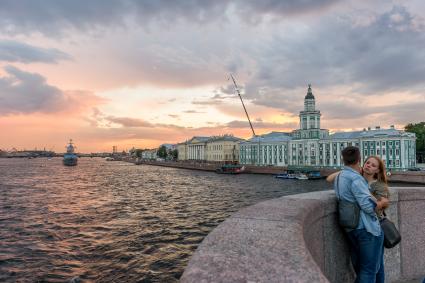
x: 150, y: 154
x: 223, y: 148
x: 217, y: 148
x: 193, y: 149
x: 312, y: 146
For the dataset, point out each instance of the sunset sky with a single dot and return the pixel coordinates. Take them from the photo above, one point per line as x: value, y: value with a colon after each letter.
x: 141, y: 73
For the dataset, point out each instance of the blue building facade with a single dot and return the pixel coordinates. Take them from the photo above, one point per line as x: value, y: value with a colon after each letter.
x: 311, y: 146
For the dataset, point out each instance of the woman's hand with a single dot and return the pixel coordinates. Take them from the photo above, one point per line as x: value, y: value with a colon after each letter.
x: 382, y: 203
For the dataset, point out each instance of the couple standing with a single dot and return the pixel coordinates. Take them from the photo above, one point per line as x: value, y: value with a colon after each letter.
x: 368, y: 188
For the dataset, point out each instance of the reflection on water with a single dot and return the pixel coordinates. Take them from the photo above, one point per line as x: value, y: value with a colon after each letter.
x: 115, y: 222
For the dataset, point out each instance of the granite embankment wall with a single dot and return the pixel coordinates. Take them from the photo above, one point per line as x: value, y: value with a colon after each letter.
x: 212, y: 166
x: 296, y: 239
x: 408, y: 176
x: 405, y: 176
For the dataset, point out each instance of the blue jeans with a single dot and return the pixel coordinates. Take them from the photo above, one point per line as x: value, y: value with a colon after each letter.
x: 380, y: 276
x: 366, y: 254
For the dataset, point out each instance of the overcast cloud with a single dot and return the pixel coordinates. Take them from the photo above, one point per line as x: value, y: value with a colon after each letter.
x: 13, y: 51
x: 364, y: 59
x: 24, y: 92
x: 53, y: 17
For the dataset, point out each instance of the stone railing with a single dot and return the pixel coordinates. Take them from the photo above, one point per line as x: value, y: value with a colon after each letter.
x: 296, y: 239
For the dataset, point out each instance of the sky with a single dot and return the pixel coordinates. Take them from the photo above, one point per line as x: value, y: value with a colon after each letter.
x: 141, y: 73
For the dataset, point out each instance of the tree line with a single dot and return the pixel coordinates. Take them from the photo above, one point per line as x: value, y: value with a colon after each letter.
x: 419, y: 130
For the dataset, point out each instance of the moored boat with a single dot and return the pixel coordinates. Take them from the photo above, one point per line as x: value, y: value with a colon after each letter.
x: 70, y: 158
x: 286, y: 176
x: 301, y: 176
x: 230, y: 169
x: 314, y: 175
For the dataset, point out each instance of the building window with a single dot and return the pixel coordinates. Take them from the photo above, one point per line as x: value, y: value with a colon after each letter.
x: 377, y: 151
x: 280, y: 154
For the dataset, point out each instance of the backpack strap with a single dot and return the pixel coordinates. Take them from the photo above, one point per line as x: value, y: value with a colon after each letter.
x: 337, y: 187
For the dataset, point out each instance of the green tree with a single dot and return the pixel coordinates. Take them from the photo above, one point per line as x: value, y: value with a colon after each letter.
x: 138, y: 152
x: 419, y: 130
x: 174, y: 154
x: 162, y: 152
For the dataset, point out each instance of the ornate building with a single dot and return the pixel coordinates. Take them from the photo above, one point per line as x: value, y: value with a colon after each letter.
x: 218, y: 148
x: 311, y: 146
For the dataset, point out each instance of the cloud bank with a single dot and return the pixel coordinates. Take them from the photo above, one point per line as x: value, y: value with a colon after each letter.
x: 24, y: 93
x: 14, y: 51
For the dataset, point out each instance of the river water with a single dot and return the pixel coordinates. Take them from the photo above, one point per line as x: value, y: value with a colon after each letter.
x: 114, y: 221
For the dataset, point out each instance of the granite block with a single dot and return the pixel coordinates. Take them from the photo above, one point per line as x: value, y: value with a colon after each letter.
x: 278, y: 209
x: 392, y: 256
x: 337, y: 259
x: 412, y: 228
x: 257, y: 251
x: 297, y: 239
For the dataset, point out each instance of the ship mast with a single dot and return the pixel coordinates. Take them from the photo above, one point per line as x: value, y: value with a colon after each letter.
x: 244, y: 108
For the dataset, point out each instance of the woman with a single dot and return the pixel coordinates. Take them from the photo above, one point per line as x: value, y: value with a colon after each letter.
x: 374, y: 172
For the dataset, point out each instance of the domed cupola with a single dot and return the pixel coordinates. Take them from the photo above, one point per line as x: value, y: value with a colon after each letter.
x: 309, y: 93
x: 309, y: 102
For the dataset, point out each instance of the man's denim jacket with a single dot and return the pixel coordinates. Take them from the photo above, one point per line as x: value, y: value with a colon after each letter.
x: 354, y: 188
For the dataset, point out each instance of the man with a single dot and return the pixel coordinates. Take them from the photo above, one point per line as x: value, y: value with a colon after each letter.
x: 367, y: 239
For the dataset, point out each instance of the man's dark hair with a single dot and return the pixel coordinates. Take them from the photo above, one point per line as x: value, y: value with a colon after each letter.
x: 351, y: 155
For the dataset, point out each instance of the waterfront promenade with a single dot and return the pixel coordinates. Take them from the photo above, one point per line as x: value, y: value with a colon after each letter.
x: 296, y: 239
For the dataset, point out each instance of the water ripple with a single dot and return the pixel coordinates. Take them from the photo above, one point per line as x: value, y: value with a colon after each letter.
x: 115, y: 222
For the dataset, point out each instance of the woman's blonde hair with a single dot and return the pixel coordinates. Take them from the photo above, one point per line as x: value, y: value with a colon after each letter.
x: 381, y: 175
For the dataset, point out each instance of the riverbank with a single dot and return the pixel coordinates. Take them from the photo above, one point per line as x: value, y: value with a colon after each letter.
x: 414, y: 177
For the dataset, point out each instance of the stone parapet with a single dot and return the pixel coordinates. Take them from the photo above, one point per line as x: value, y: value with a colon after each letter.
x: 296, y: 239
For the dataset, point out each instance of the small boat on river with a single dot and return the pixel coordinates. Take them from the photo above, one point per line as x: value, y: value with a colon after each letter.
x: 301, y: 176
x: 286, y: 176
x: 312, y: 175
x: 230, y: 169
x: 70, y: 158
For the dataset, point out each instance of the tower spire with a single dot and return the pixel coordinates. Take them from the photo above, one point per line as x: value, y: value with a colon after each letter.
x: 309, y: 93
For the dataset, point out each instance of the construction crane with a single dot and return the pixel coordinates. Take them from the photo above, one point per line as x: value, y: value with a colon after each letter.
x: 244, y: 108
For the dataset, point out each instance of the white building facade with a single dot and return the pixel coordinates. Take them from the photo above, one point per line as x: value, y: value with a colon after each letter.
x: 193, y: 149
x: 217, y: 148
x: 311, y: 146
